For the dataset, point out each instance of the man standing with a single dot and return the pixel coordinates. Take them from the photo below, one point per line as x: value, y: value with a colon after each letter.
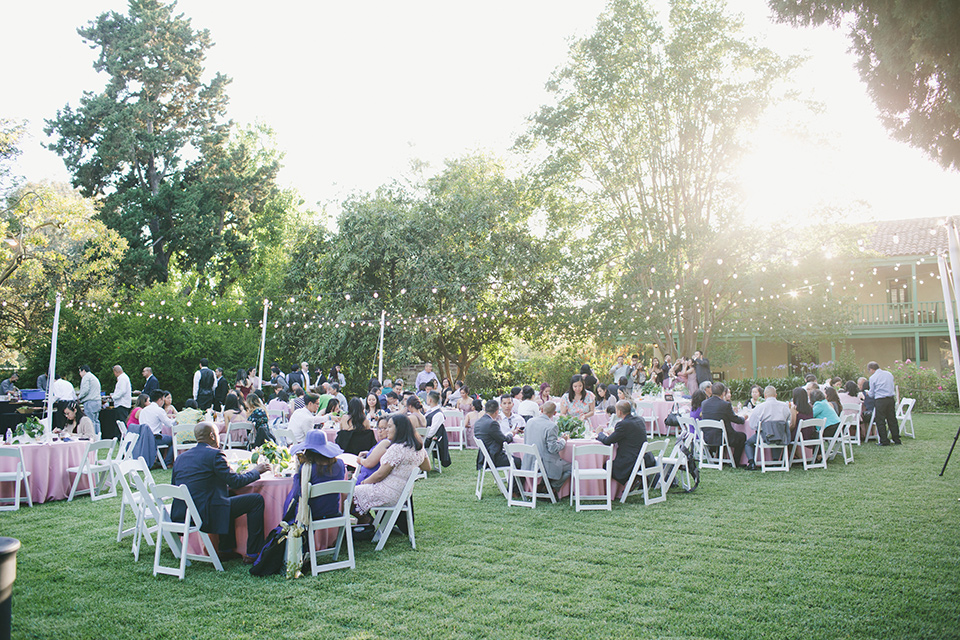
x: 203, y: 381
x: 424, y: 376
x: 9, y: 384
x: 629, y: 435
x: 151, y: 384
x: 621, y: 370
x: 296, y: 377
x: 154, y: 417
x: 487, y: 431
x: 89, y: 396
x: 205, y: 471
x: 882, y: 389
x: 43, y: 382
x: 542, y: 432
x: 716, y: 408
x: 302, y: 420
x: 122, y: 394
x: 770, y: 410
x: 509, y: 421
x: 220, y: 389
x: 702, y: 366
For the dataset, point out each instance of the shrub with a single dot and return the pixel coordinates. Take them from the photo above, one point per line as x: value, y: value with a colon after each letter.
x: 932, y: 390
x: 740, y: 387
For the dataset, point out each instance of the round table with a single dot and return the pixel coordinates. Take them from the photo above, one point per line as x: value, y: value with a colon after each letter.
x: 47, y: 464
x: 588, y: 487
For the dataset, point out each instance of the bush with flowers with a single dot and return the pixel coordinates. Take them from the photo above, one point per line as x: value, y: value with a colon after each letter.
x: 932, y: 390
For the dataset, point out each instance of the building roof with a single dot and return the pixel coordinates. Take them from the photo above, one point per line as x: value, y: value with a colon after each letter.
x: 912, y: 237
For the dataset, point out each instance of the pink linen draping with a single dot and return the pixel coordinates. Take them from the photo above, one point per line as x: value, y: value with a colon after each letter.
x: 587, y: 487
x: 47, y: 464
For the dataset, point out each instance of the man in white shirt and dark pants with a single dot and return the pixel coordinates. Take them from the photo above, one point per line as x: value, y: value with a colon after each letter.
x: 122, y: 394
x: 302, y: 420
x: 154, y: 417
x: 883, y: 392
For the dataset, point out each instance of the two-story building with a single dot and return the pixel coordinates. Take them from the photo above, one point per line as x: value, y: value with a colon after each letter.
x: 898, y: 312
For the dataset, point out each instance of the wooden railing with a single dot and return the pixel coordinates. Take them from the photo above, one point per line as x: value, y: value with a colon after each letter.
x: 919, y: 313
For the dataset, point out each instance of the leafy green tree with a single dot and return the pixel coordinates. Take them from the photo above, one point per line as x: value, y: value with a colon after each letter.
x: 52, y: 243
x: 11, y: 131
x: 908, y: 59
x: 647, y: 123
x: 154, y: 145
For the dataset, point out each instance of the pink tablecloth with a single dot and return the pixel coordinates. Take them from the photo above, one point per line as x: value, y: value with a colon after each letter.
x: 47, y: 464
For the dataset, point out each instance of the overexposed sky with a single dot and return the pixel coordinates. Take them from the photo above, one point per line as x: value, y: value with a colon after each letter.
x: 355, y: 91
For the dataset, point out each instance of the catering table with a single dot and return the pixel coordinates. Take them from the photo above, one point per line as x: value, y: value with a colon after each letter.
x: 10, y: 417
x: 47, y: 464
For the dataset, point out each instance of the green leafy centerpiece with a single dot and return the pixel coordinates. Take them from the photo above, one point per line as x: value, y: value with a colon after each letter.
x: 276, y: 456
x: 29, y: 430
x: 572, y: 426
x: 650, y: 388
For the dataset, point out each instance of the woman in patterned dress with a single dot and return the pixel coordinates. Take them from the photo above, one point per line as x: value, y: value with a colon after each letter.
x: 577, y: 401
x: 402, y: 458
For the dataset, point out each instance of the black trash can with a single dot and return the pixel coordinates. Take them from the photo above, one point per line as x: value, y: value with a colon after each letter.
x: 8, y: 574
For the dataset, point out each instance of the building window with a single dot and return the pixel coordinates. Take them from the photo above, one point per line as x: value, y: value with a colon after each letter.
x: 897, y: 291
x: 910, y: 352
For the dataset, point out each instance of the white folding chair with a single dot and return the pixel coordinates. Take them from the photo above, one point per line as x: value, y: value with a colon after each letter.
x: 191, y: 525
x: 125, y: 450
x: 283, y: 436
x: 841, y: 438
x: 648, y: 412
x: 773, y: 464
x: 122, y: 426
x: 16, y: 476
x: 581, y: 474
x: 724, y: 455
x: 853, y: 408
x: 150, y: 509
x: 98, y: 472
x: 534, y: 475
x: 234, y: 430
x: 678, y: 462
x: 179, y: 446
x: 386, y: 517
x: 276, y: 417
x: 647, y: 473
x: 341, y: 523
x: 501, y: 475
x: 133, y: 500
x: 905, y: 416
x: 801, y: 444
x: 432, y: 452
x: 448, y: 416
x: 873, y: 432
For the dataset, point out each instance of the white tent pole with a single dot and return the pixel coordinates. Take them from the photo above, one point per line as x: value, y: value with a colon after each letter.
x: 53, y: 367
x: 383, y: 316
x: 953, y: 244
x: 263, y: 339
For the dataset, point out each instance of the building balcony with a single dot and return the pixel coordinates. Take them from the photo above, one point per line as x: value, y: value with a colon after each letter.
x: 899, y: 319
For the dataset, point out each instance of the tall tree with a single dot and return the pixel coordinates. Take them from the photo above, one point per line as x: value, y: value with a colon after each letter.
x: 909, y: 58
x: 647, y: 123
x: 154, y: 143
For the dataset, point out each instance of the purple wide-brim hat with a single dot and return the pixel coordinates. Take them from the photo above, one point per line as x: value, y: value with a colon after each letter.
x: 317, y: 441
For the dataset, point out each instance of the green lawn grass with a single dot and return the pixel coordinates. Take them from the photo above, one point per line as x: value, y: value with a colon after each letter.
x: 869, y: 550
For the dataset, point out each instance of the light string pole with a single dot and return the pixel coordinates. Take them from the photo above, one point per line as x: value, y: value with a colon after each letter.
x: 263, y: 339
x: 950, y: 296
x: 51, y: 370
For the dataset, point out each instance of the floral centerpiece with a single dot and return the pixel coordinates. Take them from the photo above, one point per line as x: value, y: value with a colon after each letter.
x: 278, y: 457
x: 29, y: 430
x: 572, y: 426
x: 650, y: 388
x: 680, y: 389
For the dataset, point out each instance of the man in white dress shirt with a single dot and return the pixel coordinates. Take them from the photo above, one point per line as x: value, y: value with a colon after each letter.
x: 155, y: 417
x: 508, y: 419
x: 122, y: 394
x: 302, y: 420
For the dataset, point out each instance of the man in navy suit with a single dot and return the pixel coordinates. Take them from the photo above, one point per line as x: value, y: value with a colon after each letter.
x: 151, y: 384
x: 205, y: 471
x: 718, y: 407
x: 487, y: 430
x: 629, y: 434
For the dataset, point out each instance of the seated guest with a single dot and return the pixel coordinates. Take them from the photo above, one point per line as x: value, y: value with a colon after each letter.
x: 800, y: 409
x: 232, y: 411
x: 542, y: 433
x: 487, y: 430
x: 578, y: 401
x: 469, y: 420
x: 324, y: 466
x: 544, y: 394
x: 849, y: 395
x: 371, y: 408
x: 833, y: 399
x: 517, y: 394
x: 436, y: 431
x: 281, y: 403
x: 824, y: 410
x: 527, y: 407
x: 154, y: 417
x: 405, y: 456
x: 261, y: 424
x: 303, y: 420
x: 369, y: 461
x: 696, y: 403
x: 342, y: 399
x: 142, y: 401
x: 415, y: 413
x: 205, y: 471
x: 355, y: 434
x: 191, y: 413
x: 603, y: 399
x: 716, y: 408
x: 866, y: 409
x: 298, y: 401
x: 612, y: 417
x: 756, y: 399
x: 465, y: 403
x: 770, y: 410
x: 75, y: 422
x: 392, y: 404
x: 629, y: 436
x: 168, y: 405
x: 508, y: 419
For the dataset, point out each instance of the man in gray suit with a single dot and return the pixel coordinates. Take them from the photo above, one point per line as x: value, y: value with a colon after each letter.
x: 542, y: 432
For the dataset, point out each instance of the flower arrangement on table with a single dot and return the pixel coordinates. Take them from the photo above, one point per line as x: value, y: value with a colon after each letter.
x: 572, y: 426
x: 278, y: 457
x: 680, y: 389
x: 650, y: 388
x: 29, y: 430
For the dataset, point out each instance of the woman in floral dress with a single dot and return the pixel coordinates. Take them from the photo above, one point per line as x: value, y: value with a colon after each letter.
x: 577, y: 401
x: 402, y: 458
